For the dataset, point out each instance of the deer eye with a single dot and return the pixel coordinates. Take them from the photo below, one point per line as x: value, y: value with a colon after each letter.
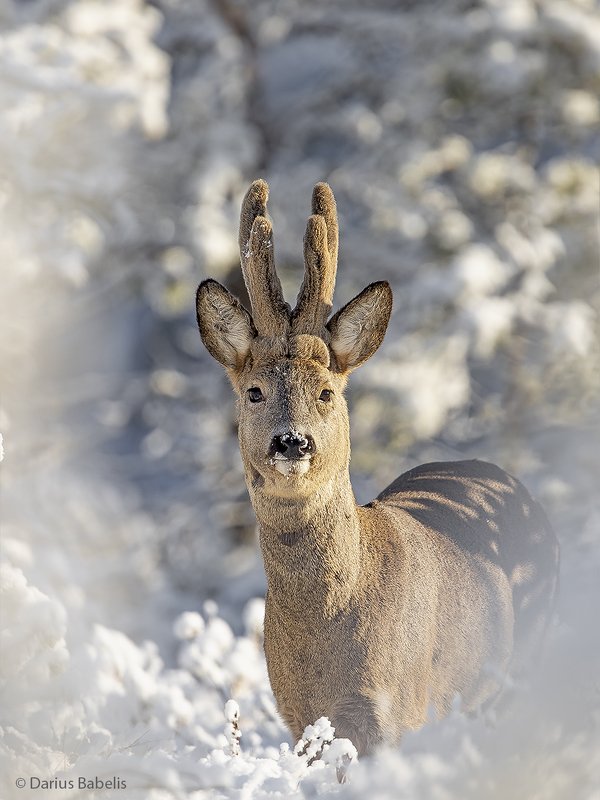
x: 255, y: 395
x: 326, y: 395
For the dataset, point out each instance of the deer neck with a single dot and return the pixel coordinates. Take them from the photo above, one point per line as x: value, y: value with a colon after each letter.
x: 310, y: 547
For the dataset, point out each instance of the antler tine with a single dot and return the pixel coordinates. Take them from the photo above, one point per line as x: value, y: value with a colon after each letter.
x: 315, y: 298
x: 323, y: 204
x: 270, y: 312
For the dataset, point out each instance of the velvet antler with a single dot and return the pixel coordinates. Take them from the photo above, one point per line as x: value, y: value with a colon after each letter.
x: 270, y: 312
x: 315, y: 298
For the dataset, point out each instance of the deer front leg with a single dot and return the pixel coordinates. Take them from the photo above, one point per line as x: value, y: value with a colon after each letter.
x: 354, y: 718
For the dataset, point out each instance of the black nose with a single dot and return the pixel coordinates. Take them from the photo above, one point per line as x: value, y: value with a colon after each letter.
x: 292, y: 445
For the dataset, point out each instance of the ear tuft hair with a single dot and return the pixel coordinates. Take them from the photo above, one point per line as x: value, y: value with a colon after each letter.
x: 358, y: 328
x: 226, y: 328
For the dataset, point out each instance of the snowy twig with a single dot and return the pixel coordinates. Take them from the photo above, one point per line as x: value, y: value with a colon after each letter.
x: 232, y: 730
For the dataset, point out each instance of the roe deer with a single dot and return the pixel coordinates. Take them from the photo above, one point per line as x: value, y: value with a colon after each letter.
x: 439, y: 586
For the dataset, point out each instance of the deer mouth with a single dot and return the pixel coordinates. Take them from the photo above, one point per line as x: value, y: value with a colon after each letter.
x: 295, y: 466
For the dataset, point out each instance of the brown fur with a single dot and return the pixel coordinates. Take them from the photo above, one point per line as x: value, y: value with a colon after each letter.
x: 375, y: 613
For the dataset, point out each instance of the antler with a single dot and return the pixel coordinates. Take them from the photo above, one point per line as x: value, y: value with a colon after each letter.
x: 270, y: 312
x: 315, y: 298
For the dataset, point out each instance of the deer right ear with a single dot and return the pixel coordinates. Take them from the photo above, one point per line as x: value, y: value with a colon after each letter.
x: 358, y: 328
x: 225, y: 326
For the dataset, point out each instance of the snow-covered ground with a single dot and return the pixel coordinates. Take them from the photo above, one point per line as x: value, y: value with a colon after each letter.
x: 461, y: 140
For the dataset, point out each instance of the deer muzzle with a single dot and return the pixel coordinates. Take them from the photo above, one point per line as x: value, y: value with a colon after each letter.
x: 290, y: 453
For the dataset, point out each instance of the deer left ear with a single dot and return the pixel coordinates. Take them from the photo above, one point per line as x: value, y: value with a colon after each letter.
x: 226, y: 328
x: 358, y: 328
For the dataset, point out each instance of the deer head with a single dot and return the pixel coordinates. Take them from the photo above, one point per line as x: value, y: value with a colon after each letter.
x: 289, y: 368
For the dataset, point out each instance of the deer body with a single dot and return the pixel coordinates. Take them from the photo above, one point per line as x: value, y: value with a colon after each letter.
x: 373, y: 614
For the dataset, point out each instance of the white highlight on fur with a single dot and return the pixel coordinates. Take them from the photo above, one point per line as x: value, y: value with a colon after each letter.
x: 345, y: 338
x: 233, y: 326
x: 351, y: 325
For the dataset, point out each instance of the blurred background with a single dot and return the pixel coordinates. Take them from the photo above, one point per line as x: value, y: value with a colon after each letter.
x: 461, y: 139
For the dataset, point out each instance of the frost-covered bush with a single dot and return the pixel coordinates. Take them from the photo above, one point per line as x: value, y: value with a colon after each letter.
x: 101, y: 705
x: 78, y: 90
